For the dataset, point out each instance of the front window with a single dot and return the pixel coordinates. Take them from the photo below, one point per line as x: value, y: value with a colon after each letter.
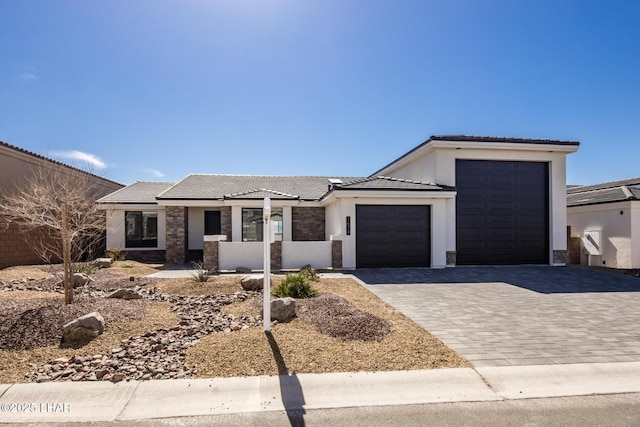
x: 141, y: 229
x: 252, y: 223
x: 212, y: 224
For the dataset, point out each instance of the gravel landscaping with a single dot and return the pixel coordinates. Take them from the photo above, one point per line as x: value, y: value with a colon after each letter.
x: 180, y: 328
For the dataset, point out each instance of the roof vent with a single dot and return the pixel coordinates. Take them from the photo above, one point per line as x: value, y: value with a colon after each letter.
x: 334, y: 182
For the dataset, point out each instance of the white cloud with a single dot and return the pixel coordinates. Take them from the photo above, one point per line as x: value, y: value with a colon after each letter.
x: 28, y: 76
x: 80, y: 156
x: 153, y: 172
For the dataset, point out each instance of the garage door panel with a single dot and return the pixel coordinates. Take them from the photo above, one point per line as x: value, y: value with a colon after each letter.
x: 502, y: 212
x: 393, y: 236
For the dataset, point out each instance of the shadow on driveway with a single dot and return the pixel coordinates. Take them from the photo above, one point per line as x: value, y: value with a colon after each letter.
x: 543, y: 279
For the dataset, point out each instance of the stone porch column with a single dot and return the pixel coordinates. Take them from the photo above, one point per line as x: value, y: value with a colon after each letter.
x: 336, y: 252
x: 177, y: 234
x: 211, y: 252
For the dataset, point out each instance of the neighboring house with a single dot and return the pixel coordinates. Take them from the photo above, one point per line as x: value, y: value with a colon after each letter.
x: 606, y: 219
x: 453, y: 200
x: 16, y: 167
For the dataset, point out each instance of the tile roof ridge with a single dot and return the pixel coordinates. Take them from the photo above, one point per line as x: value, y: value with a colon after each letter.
x: 605, y: 185
x: 258, y: 190
x: 56, y: 162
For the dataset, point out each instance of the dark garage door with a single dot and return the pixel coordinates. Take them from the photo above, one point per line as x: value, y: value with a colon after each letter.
x: 393, y: 236
x: 502, y: 212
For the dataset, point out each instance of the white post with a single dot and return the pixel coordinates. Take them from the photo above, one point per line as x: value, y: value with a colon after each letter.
x: 266, y: 238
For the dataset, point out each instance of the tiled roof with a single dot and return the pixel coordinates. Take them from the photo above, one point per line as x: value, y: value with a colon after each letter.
x: 606, y: 192
x: 138, y: 192
x: 254, y: 187
x: 220, y: 187
x: 389, y: 183
x: 55, y: 162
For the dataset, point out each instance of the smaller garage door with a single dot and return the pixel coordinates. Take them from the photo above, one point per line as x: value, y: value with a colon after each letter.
x: 393, y: 236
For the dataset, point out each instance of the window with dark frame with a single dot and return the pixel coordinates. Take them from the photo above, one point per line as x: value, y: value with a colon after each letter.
x: 252, y: 223
x: 212, y: 225
x: 141, y: 229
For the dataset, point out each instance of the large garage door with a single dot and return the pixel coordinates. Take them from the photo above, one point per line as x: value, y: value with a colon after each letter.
x: 393, y: 236
x: 502, y: 212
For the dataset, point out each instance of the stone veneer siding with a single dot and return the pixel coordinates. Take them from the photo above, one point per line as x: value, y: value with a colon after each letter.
x: 210, y: 256
x: 177, y: 234
x: 225, y: 221
x: 451, y: 258
x: 157, y: 255
x: 307, y: 224
x: 276, y: 255
x: 560, y: 257
x: 336, y: 254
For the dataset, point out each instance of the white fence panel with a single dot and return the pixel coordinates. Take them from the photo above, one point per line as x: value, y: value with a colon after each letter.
x: 299, y: 254
x: 241, y: 254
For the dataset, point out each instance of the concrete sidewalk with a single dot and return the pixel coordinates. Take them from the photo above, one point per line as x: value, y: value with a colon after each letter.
x: 134, y: 400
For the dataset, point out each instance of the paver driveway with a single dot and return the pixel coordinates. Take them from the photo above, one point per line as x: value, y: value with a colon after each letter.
x: 524, y: 315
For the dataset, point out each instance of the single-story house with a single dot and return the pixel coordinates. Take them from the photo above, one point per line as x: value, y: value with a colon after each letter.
x: 17, y: 166
x: 452, y: 200
x: 606, y: 219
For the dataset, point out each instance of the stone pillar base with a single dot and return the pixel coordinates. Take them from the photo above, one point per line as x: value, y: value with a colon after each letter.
x: 560, y: 257
x: 336, y: 254
x: 451, y: 258
x: 276, y: 255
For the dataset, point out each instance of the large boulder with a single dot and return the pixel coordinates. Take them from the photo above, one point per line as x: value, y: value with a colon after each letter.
x: 125, y: 294
x: 83, y: 328
x: 80, y: 279
x: 254, y: 282
x: 283, y: 309
x: 103, y: 262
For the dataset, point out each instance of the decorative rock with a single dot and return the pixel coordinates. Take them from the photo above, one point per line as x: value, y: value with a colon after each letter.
x: 85, y: 327
x: 253, y: 282
x: 243, y: 270
x: 102, y: 262
x: 125, y: 294
x: 283, y: 309
x: 80, y: 279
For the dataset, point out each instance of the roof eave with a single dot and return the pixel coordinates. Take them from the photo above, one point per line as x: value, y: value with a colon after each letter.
x: 492, y: 143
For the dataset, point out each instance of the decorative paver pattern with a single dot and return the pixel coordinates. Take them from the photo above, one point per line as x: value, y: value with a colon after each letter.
x: 524, y: 315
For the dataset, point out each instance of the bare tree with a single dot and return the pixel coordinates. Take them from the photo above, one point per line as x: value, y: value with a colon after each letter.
x: 58, y: 215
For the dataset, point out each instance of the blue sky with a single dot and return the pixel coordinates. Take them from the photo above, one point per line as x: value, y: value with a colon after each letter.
x: 153, y: 90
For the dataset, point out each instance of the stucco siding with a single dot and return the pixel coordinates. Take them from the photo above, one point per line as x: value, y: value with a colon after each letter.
x: 614, y: 221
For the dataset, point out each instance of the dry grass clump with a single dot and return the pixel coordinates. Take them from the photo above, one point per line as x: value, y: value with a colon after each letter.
x: 133, y: 268
x: 336, y: 317
x: 216, y: 285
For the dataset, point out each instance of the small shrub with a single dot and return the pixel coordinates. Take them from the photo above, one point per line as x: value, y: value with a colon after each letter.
x: 116, y: 254
x: 126, y: 266
x: 294, y: 285
x: 85, y: 268
x: 309, y: 273
x: 200, y: 275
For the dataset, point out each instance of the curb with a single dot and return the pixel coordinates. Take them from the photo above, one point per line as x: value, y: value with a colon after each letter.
x: 134, y: 400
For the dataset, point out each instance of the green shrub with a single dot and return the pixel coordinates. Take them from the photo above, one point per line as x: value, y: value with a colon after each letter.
x: 200, y: 275
x: 309, y: 273
x: 116, y: 254
x: 86, y: 268
x: 294, y: 285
